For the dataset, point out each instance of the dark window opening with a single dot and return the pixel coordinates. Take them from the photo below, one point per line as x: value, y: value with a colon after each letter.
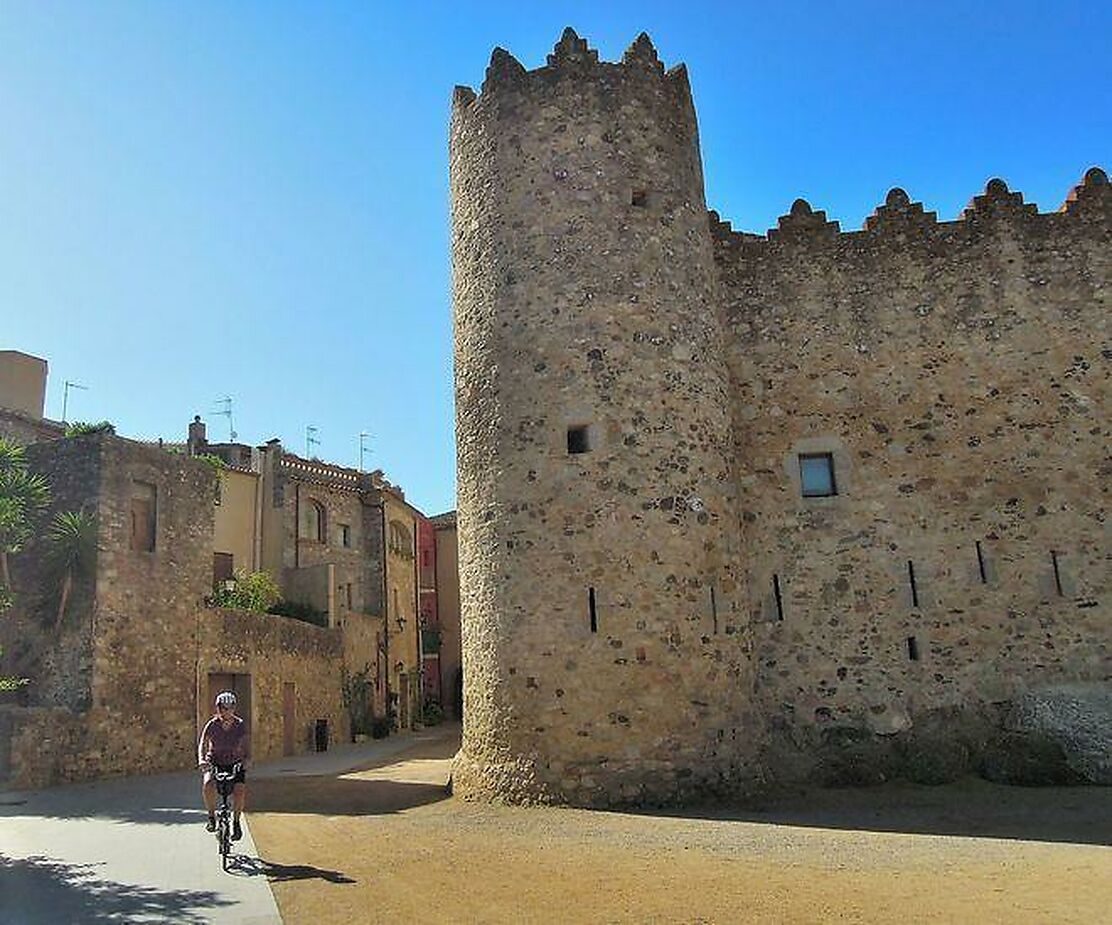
x: 981, y: 564
x: 345, y: 535
x: 779, y: 598
x: 143, y: 516
x: 911, y: 581
x: 912, y: 649
x: 816, y: 475
x: 714, y: 610
x: 223, y: 567
x: 578, y: 440
x: 639, y: 198
x: 591, y: 608
x: 1057, y: 573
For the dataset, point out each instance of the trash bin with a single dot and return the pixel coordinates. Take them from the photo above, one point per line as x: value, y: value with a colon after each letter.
x: 322, y: 735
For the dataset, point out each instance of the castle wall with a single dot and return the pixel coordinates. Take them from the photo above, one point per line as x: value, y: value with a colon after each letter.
x: 958, y: 374
x: 585, y: 300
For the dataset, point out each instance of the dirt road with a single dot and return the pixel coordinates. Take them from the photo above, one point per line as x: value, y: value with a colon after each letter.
x: 385, y: 844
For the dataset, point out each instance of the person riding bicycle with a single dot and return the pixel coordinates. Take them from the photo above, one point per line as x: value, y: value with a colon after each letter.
x: 224, y: 741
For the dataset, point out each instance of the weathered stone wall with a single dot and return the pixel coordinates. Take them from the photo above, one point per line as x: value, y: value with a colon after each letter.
x: 958, y: 374
x: 141, y: 635
x: 275, y: 651
x: 955, y: 373
x: 25, y: 429
x: 585, y: 297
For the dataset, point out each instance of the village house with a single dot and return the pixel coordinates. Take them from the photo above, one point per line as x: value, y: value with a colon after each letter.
x: 142, y: 642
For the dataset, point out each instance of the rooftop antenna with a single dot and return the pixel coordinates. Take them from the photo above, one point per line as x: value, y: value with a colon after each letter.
x: 226, y: 411
x: 66, y: 394
x: 363, y: 448
x: 310, y: 440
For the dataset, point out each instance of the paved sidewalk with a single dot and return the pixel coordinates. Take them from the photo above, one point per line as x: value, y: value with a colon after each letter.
x: 135, y: 849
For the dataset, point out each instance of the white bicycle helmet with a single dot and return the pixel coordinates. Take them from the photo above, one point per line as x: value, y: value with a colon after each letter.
x: 225, y: 698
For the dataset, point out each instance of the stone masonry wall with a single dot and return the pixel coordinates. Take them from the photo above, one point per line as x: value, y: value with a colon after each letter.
x: 275, y: 651
x: 958, y: 374
x: 652, y: 610
x: 603, y: 653
x: 143, y: 620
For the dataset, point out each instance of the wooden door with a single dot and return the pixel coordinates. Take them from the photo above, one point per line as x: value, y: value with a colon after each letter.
x: 289, y: 714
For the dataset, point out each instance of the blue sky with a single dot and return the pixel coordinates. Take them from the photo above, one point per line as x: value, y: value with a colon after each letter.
x: 250, y: 199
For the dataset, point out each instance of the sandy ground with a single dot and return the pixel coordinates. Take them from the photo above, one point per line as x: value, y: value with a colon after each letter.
x: 386, y: 844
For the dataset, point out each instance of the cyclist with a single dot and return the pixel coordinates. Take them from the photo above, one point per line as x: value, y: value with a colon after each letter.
x: 223, y: 742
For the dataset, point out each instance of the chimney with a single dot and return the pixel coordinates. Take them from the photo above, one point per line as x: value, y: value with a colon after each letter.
x: 197, y: 441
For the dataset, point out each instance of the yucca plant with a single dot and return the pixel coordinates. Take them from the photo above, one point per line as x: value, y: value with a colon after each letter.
x: 71, y: 544
x: 23, y: 494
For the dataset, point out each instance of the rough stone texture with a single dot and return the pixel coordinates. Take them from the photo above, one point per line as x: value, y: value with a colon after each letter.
x: 134, y: 654
x: 1077, y: 718
x: 576, y: 306
x: 276, y: 651
x: 956, y: 372
x: 26, y: 429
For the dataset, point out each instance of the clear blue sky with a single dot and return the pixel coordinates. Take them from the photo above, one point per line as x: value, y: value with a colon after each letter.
x: 203, y: 199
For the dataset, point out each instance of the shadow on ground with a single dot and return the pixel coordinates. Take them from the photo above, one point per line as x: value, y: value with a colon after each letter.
x: 332, y: 796
x: 42, y: 890
x: 970, y: 808
x: 278, y: 873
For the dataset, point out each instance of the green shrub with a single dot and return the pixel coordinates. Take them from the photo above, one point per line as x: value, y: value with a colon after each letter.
x: 78, y: 428
x: 256, y: 591
x: 432, y: 715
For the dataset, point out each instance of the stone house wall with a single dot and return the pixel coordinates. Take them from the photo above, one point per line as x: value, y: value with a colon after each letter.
x: 275, y: 651
x: 141, y: 630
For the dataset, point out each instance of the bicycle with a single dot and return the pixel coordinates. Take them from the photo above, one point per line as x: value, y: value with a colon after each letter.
x: 224, y: 776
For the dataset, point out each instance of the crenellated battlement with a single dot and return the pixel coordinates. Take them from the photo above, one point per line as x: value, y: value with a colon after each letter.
x: 741, y: 507
x: 901, y: 217
x: 571, y: 58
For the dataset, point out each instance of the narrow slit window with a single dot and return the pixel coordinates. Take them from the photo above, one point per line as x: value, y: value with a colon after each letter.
x: 639, y: 199
x: 912, y: 583
x: 714, y: 610
x: 912, y: 649
x: 591, y: 608
x: 981, y: 564
x: 578, y: 440
x: 816, y: 475
x: 1057, y: 573
x: 778, y: 597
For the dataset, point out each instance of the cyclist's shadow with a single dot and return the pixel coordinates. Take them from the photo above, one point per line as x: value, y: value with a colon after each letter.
x: 256, y: 867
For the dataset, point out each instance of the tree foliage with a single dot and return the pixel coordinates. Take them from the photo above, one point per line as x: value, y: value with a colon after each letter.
x: 23, y: 495
x: 249, y: 591
x: 71, y: 543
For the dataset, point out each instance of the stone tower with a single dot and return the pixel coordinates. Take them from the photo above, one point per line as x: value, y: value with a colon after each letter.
x: 606, y: 657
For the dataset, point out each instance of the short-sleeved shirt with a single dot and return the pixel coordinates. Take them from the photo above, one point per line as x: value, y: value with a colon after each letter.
x: 227, y: 746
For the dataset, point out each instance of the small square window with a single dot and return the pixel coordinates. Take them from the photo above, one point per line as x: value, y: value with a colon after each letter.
x: 639, y: 199
x: 578, y: 440
x: 816, y: 475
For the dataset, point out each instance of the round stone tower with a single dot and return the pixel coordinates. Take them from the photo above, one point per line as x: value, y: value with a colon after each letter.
x: 605, y: 657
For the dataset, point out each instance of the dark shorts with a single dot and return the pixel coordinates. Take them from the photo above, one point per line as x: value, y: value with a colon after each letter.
x: 240, y: 778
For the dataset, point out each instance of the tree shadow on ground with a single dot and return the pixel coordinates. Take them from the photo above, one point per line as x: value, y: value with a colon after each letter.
x: 276, y: 873
x: 170, y: 799
x: 971, y: 808
x: 44, y: 891
x: 340, y: 796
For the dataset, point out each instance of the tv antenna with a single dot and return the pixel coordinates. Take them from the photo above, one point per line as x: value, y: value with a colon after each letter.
x: 66, y: 394
x: 363, y: 448
x: 311, y: 440
x: 226, y: 411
